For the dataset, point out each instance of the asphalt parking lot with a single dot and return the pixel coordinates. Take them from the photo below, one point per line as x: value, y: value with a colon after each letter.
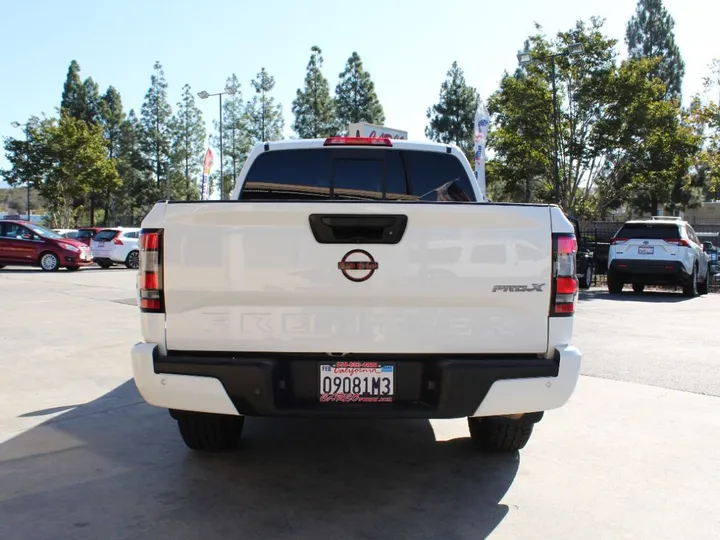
x: 633, y: 455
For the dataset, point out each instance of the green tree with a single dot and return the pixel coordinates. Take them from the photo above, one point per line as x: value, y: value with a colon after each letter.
x: 236, y: 138
x: 66, y: 159
x: 451, y: 119
x: 650, y: 34
x: 188, y: 141
x: 139, y: 191
x: 73, y: 96
x: 111, y: 117
x: 313, y: 107
x: 92, y: 102
x: 155, y: 118
x: 355, y: 97
x: 265, y: 117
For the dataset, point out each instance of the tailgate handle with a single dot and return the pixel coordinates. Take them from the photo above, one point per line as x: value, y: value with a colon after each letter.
x: 358, y: 229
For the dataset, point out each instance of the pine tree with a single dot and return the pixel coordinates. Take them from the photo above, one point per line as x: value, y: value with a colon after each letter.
x: 355, y: 97
x: 265, y: 117
x: 451, y: 119
x: 188, y: 140
x: 73, y: 96
x: 111, y: 117
x: 91, y: 98
x: 650, y: 33
x: 138, y: 191
x: 236, y: 138
x: 313, y: 107
x: 155, y: 119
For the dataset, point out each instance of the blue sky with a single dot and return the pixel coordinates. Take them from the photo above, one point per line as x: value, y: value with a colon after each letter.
x: 406, y: 45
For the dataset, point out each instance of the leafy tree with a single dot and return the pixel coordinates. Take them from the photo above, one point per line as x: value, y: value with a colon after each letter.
x: 313, y: 107
x: 188, y: 141
x: 65, y: 159
x: 265, y: 118
x: 156, y: 114
x: 650, y: 34
x: 73, y: 96
x: 355, y: 97
x: 451, y: 119
x: 111, y: 117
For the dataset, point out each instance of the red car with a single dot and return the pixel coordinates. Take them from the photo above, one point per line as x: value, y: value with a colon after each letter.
x: 85, y: 234
x: 27, y: 244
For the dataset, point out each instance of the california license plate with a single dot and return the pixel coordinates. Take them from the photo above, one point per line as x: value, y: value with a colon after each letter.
x: 646, y: 250
x: 357, y: 382
x: 101, y: 244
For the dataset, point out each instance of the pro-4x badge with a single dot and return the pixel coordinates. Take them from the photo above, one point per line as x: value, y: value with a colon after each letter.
x: 358, y: 265
x: 535, y: 287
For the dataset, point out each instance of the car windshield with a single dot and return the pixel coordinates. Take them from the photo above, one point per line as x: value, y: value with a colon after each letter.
x: 43, y: 232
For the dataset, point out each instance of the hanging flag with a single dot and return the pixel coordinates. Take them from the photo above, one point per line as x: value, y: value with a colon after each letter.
x: 207, y: 165
x: 482, y: 121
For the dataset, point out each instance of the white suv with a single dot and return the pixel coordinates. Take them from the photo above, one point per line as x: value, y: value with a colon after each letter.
x: 658, y: 251
x: 116, y: 246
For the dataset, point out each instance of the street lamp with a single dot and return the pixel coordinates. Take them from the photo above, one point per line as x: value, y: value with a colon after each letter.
x: 27, y: 141
x: 525, y: 58
x: 205, y: 95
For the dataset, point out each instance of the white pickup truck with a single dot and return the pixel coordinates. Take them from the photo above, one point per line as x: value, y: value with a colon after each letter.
x: 355, y: 277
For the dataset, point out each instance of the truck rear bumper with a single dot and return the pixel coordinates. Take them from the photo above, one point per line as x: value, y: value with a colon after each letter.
x: 287, y: 385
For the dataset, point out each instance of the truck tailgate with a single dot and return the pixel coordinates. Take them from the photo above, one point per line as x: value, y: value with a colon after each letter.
x: 464, y: 278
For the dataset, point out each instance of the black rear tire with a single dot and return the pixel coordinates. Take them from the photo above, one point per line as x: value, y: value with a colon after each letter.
x: 615, y: 286
x: 690, y: 287
x: 209, y: 432
x: 703, y: 286
x: 586, y: 281
x: 638, y: 288
x: 104, y: 265
x: 72, y: 268
x: 494, y: 434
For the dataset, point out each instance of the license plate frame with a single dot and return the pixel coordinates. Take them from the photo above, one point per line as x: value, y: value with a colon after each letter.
x: 646, y: 250
x: 339, y: 382
x: 101, y: 244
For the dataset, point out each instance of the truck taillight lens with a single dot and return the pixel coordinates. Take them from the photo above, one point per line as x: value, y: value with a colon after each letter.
x: 150, y: 272
x: 565, y: 283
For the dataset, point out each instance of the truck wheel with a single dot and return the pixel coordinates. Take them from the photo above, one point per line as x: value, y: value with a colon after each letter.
x: 638, y: 288
x: 209, y: 432
x: 499, y: 434
x: 615, y: 286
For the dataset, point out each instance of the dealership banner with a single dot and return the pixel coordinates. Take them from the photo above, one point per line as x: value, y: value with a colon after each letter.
x: 207, y: 165
x: 482, y: 121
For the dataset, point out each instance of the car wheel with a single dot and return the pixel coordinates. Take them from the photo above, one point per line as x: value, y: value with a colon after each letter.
x: 638, y: 288
x: 72, y: 268
x: 133, y: 260
x: 494, y: 434
x: 615, y: 286
x: 2, y: 266
x: 209, y: 432
x: 104, y: 265
x: 690, y: 287
x: 49, y: 262
x: 703, y: 285
x: 587, y: 279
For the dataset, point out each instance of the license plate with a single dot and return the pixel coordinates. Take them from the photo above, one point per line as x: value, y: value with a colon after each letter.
x: 646, y: 250
x: 101, y: 244
x: 357, y: 382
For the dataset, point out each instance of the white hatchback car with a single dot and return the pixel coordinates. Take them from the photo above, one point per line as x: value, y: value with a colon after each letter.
x: 658, y: 251
x: 116, y: 246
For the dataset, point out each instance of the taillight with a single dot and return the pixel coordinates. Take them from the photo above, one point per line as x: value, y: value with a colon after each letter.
x: 150, y: 274
x: 677, y: 241
x: 614, y: 241
x: 117, y: 241
x: 565, y: 283
x: 358, y: 141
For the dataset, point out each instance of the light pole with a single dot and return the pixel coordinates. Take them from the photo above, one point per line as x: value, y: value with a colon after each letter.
x: 525, y: 58
x: 27, y: 142
x: 205, y: 95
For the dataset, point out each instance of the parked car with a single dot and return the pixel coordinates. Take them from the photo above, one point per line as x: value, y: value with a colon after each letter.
x: 66, y: 233
x: 116, y: 246
x: 27, y: 244
x: 317, y: 291
x: 658, y: 251
x: 85, y: 234
x: 585, y: 265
